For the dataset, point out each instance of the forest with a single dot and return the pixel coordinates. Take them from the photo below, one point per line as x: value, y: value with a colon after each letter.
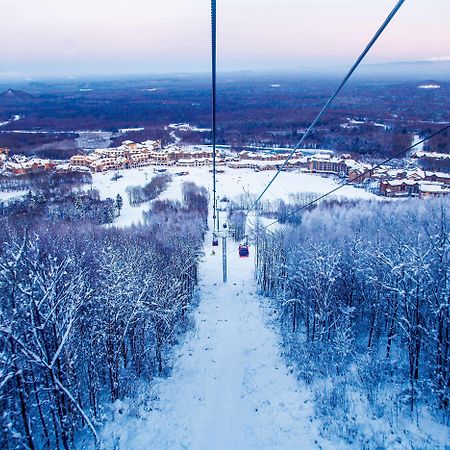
x: 44, y: 181
x: 88, y: 314
x: 251, y: 110
x: 362, y: 293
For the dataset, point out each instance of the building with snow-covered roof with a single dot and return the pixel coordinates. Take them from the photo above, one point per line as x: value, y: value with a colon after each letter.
x: 417, y: 174
x: 325, y: 163
x: 427, y: 190
x: 438, y: 176
x: 242, y: 165
x: 23, y: 165
x: 358, y: 174
x: 104, y: 164
x: 137, y: 160
x: 152, y: 145
x: 410, y: 187
x: 297, y: 163
x: 111, y: 152
x: 193, y: 162
x: 431, y: 155
x: 83, y: 160
x: 399, y: 188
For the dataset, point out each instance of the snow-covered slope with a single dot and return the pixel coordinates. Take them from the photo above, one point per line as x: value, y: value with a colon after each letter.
x: 232, y: 183
x: 230, y: 387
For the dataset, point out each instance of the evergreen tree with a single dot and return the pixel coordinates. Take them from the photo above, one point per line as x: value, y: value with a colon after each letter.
x: 118, y: 203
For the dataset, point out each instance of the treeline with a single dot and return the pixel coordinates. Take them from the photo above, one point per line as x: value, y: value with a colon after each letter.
x: 237, y: 222
x: 141, y: 194
x: 87, y: 313
x: 435, y: 165
x: 44, y: 180
x: 56, y: 204
x: 363, y: 295
x: 438, y: 143
x: 194, y: 203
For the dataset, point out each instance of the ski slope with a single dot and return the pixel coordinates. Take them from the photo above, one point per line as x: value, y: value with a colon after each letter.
x: 230, y: 387
x: 233, y: 183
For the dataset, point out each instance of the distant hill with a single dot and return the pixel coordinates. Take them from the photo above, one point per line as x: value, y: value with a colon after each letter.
x: 12, y: 94
x: 409, y: 70
x: 416, y: 71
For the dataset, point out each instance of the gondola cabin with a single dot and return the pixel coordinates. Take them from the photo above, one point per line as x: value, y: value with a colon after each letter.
x: 243, y: 251
x: 215, y: 242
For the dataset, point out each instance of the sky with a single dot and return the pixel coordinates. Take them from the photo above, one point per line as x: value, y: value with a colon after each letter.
x: 76, y: 37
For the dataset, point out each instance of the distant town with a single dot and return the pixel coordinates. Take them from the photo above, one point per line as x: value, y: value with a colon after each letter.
x: 383, y: 180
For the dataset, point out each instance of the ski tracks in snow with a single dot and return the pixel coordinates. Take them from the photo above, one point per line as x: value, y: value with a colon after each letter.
x: 230, y: 388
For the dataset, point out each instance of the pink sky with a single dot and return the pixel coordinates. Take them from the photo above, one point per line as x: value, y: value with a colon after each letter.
x: 111, y: 36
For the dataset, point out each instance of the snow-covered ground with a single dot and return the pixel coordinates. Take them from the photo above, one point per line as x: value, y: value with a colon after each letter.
x: 230, y: 387
x: 235, y: 182
x: 429, y: 86
x: 14, y: 118
x: 184, y: 127
x: 134, y: 177
x: 188, y: 127
x: 416, y: 140
x: 8, y: 195
x: 232, y: 183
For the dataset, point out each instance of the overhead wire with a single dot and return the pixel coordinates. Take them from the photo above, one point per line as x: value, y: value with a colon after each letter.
x: 214, y: 106
x: 331, y: 99
x: 362, y: 175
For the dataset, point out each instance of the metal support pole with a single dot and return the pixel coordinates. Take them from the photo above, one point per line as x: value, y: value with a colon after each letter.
x: 224, y: 258
x: 218, y: 217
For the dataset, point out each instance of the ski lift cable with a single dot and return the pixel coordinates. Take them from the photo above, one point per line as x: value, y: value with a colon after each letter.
x: 331, y: 99
x: 214, y: 103
x: 362, y: 175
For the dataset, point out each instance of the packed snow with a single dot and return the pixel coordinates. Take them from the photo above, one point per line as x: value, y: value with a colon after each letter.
x: 417, y: 147
x: 230, y: 387
x: 183, y: 127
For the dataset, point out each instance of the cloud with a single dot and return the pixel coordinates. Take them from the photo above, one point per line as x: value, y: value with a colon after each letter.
x: 439, y: 58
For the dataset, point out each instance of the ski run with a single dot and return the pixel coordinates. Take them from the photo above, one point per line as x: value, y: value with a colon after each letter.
x: 230, y: 387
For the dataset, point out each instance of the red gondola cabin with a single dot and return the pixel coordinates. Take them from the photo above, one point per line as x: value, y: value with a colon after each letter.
x: 243, y: 251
